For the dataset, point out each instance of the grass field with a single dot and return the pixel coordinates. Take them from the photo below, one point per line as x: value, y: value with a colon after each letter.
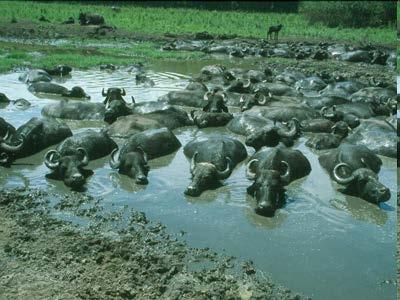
x: 14, y: 55
x: 158, y: 21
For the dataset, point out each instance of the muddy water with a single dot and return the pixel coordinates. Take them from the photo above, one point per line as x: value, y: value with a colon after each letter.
x: 323, y: 244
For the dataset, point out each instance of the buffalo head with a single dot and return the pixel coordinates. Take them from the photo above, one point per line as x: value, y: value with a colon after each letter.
x: 134, y: 164
x: 77, y: 92
x: 362, y: 183
x: 268, y: 187
x: 215, y: 102
x: 205, y: 175
x: 250, y: 101
x: 4, y: 98
x: 270, y: 136
x: 69, y: 168
x: 8, y: 147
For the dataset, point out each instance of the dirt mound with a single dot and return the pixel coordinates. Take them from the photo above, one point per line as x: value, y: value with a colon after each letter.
x: 119, y: 255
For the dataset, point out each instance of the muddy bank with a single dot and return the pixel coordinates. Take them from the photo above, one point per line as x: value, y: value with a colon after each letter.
x: 45, y: 257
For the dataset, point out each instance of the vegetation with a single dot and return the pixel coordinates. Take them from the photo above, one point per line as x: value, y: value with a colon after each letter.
x: 158, y: 21
x: 350, y: 13
x: 39, y: 56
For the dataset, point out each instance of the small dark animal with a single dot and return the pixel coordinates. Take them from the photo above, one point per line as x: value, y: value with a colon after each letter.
x: 43, y: 19
x: 70, y: 20
x: 274, y: 29
x: 90, y: 19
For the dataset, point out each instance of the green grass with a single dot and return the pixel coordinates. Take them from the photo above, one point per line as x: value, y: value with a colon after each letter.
x: 16, y: 55
x: 158, y: 21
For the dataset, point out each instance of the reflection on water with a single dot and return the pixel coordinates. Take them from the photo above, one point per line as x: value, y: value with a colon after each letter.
x: 322, y: 243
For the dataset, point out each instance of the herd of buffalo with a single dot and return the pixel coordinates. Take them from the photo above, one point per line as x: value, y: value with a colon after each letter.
x: 353, y: 124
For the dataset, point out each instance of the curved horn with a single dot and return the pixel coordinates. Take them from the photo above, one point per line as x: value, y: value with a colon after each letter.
x: 290, y: 133
x: 286, y: 177
x: 338, y: 178
x: 193, y: 162
x: 247, y: 84
x: 241, y: 100
x: 9, y: 148
x: 205, y: 97
x: 249, y: 173
x: 225, y: 173
x: 49, y: 159
x: 263, y: 101
x: 323, y: 110
x: 224, y: 96
x: 143, y: 153
x: 103, y: 93
x: 4, y: 158
x: 123, y: 93
x: 85, y: 158
x: 114, y: 162
x: 133, y: 100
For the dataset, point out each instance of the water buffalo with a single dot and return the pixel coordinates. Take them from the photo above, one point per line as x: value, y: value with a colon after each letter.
x: 323, y: 101
x: 271, y: 135
x: 115, y: 104
x: 240, y: 86
x: 247, y: 123
x: 37, y: 134
x: 212, y: 160
x: 215, y: 101
x: 316, y: 125
x: 192, y: 95
x: 325, y: 140
x: 170, y: 117
x: 248, y: 101
x: 356, y: 167
x: 67, y: 162
x: 90, y: 19
x: 18, y: 103
x: 33, y: 76
x: 55, y: 89
x: 286, y: 113
x: 271, y: 171
x: 356, y: 56
x: 60, y: 70
x: 134, y: 154
x: 380, y: 136
x: 342, y: 89
x: 313, y: 83
x: 6, y: 132
x: 74, y: 110
x: 210, y: 119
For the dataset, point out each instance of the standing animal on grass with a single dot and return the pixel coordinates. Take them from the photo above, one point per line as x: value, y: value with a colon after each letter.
x: 274, y: 29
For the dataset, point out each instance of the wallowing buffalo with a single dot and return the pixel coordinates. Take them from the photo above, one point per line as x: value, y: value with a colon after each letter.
x: 356, y: 168
x: 115, y: 104
x: 90, y: 19
x: 55, y: 89
x: 134, y: 154
x: 271, y: 135
x: 67, y: 162
x: 325, y: 140
x: 215, y: 101
x: 34, y: 136
x: 271, y: 171
x: 212, y: 160
x: 210, y: 119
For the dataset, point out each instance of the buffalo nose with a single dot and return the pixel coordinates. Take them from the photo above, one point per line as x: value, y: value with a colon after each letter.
x: 141, y: 179
x: 266, y: 210
x: 385, y: 194
x: 77, y: 177
x: 191, y: 191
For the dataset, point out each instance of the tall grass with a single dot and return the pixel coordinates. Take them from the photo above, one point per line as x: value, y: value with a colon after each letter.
x: 158, y: 21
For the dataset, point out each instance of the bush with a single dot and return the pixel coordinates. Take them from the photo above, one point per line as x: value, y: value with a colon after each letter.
x: 349, y: 13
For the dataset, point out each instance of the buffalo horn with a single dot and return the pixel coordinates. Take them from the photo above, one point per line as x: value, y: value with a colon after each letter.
x: 225, y: 174
x: 50, y: 161
x: 114, y: 162
x: 249, y: 173
x: 340, y: 179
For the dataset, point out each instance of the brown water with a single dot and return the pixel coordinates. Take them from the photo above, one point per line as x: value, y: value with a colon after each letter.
x: 322, y: 243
